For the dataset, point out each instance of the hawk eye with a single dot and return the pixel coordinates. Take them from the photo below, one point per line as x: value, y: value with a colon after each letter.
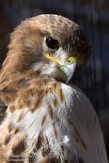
x: 52, y: 43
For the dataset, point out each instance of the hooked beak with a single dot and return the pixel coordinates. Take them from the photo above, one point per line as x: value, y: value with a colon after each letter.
x: 68, y: 69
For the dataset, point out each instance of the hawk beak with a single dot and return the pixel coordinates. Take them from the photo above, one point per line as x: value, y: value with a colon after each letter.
x: 69, y: 70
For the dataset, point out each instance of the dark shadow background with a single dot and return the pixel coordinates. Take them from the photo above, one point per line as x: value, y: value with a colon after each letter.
x: 93, y: 18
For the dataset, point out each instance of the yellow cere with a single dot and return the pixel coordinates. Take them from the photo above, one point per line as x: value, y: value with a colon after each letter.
x: 70, y: 60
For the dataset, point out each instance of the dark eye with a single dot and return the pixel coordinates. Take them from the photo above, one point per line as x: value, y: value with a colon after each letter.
x: 52, y: 43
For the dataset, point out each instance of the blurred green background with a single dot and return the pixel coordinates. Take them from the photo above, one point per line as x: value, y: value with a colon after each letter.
x: 93, y: 18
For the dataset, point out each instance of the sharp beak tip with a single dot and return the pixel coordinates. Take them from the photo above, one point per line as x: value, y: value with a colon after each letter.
x: 69, y: 70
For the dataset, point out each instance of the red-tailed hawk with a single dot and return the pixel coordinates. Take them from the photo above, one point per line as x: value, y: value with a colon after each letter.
x: 47, y: 119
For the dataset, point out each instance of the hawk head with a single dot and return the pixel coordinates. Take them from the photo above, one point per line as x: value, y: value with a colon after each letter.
x: 48, y: 45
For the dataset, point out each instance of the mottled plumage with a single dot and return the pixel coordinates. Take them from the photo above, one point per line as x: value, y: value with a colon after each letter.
x: 47, y: 120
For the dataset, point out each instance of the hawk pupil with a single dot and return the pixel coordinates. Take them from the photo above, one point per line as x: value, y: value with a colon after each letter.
x: 52, y: 43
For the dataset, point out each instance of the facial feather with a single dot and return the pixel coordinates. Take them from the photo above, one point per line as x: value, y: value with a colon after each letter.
x: 45, y: 118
